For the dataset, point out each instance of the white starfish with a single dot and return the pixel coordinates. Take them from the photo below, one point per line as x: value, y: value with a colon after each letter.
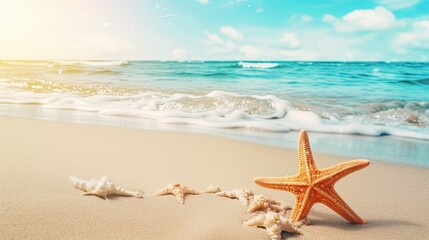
x: 102, y: 187
x: 264, y: 203
x: 241, y: 194
x: 177, y: 190
x: 274, y: 223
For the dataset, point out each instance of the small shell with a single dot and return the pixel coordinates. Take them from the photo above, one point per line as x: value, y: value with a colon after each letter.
x: 274, y: 223
x: 212, y: 189
x: 102, y: 187
x: 265, y: 204
x: 243, y: 195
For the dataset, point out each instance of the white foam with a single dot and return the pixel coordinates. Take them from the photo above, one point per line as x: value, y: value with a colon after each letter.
x: 258, y: 65
x: 214, y: 110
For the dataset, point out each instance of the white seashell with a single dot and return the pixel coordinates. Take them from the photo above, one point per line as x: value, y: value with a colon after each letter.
x: 274, y: 223
x: 212, y: 189
x: 241, y: 194
x: 265, y: 204
x: 102, y: 187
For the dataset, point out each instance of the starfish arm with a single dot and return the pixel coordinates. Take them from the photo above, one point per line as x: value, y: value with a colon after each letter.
x: 302, y: 206
x: 275, y: 208
x: 180, y: 196
x: 331, y: 175
x: 331, y: 199
x: 243, y: 199
x: 274, y: 202
x: 253, y: 208
x: 288, y: 226
x: 190, y: 191
x: 164, y: 191
x: 255, y: 221
x: 305, y: 156
x: 291, y: 184
x: 275, y: 232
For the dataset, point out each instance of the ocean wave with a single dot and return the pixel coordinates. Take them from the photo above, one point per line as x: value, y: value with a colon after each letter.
x: 91, y: 63
x: 205, y: 74
x: 60, y: 87
x: 258, y: 65
x: 78, y: 69
x: 424, y: 81
x: 220, y: 109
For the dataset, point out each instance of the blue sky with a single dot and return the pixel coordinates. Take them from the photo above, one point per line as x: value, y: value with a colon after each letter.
x: 388, y: 30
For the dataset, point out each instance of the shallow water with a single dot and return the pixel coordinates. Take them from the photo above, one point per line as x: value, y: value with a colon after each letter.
x: 352, y: 98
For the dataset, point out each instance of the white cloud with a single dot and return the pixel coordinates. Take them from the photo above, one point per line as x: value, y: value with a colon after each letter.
x: 290, y: 40
x: 312, y: 43
x: 203, y: 1
x: 218, y: 46
x: 376, y: 19
x: 232, y: 33
x: 300, y: 19
x: 306, y: 18
x: 179, y: 54
x: 212, y: 39
x: 250, y: 52
x: 416, y: 39
x: 397, y: 4
x: 259, y: 10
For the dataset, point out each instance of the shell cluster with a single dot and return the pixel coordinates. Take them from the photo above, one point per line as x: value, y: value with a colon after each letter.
x: 271, y: 212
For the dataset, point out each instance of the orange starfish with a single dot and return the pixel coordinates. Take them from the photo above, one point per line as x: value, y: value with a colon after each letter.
x: 312, y: 185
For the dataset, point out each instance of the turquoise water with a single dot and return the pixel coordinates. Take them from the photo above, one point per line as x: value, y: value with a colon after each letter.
x: 352, y: 98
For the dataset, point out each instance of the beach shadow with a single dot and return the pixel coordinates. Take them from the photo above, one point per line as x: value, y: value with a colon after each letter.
x: 285, y: 234
x: 109, y: 197
x: 331, y: 220
x: 389, y: 223
x: 288, y: 235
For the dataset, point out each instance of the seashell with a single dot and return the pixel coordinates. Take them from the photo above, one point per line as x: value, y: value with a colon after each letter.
x: 212, y: 189
x: 102, y: 188
x: 265, y: 204
x: 241, y: 194
x: 274, y: 223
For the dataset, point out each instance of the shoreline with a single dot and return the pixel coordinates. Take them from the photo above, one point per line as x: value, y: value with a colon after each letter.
x: 39, y: 201
x: 389, y: 149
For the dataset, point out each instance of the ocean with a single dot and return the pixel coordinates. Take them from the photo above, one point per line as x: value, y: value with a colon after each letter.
x: 373, y: 106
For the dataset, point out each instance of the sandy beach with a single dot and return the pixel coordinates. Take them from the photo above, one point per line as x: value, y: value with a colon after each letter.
x: 38, y: 200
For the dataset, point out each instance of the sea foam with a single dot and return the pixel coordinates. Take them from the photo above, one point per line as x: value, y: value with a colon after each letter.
x: 258, y: 65
x: 217, y: 109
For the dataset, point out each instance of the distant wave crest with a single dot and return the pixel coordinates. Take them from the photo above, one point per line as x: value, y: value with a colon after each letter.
x: 91, y: 63
x: 258, y: 65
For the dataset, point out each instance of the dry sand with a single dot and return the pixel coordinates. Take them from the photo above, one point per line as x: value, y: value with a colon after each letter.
x: 39, y: 202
